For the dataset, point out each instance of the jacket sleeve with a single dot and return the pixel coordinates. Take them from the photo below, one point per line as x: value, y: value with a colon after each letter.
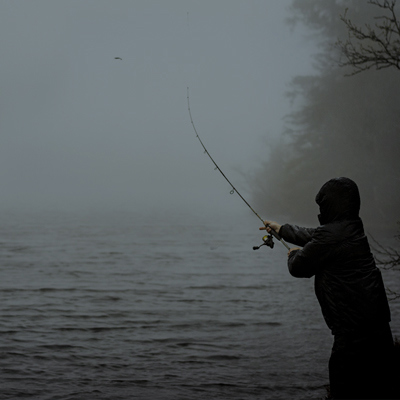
x: 295, y: 234
x: 304, y: 263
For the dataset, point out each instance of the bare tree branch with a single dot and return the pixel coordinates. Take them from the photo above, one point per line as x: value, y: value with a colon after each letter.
x: 388, y: 259
x: 372, y: 46
x: 391, y: 294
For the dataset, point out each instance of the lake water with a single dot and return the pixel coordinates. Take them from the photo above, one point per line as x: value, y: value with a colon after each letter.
x: 123, y: 306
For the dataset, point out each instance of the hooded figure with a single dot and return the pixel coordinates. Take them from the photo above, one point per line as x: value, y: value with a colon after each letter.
x: 350, y: 291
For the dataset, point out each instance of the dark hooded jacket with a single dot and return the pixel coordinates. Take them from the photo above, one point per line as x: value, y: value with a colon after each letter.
x: 348, y: 284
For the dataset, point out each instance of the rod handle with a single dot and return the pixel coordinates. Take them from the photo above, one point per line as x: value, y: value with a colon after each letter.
x: 275, y: 234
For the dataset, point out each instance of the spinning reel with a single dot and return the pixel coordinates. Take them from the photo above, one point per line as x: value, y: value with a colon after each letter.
x: 268, y: 241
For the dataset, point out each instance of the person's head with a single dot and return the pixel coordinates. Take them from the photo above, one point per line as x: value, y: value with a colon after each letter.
x: 338, y: 200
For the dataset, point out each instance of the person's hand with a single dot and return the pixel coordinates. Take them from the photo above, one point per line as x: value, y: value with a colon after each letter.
x: 293, y: 249
x: 269, y: 225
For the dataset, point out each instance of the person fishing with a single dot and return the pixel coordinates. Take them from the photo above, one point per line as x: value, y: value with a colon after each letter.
x: 350, y: 291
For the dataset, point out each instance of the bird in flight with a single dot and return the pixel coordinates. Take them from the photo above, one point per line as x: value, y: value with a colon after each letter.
x: 118, y: 58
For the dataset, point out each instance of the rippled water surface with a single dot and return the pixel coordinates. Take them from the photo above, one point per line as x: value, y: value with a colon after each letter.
x: 121, y: 306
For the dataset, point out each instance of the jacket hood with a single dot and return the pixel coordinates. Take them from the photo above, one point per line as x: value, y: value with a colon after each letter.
x: 338, y: 200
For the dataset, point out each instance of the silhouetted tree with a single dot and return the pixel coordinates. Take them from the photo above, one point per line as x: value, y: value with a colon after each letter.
x: 377, y: 47
x: 373, y: 46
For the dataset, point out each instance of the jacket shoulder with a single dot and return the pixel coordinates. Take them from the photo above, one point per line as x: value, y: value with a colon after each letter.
x: 337, y: 232
x: 326, y: 234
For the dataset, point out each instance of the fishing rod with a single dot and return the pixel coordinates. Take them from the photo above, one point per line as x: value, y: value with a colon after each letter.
x: 267, y: 239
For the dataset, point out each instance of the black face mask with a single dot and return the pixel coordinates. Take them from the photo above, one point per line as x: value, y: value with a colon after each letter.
x: 338, y: 200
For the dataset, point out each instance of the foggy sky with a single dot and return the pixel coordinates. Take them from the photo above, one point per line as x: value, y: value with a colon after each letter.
x: 81, y: 129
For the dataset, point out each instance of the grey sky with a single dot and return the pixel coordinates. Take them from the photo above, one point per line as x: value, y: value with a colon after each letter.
x: 80, y: 128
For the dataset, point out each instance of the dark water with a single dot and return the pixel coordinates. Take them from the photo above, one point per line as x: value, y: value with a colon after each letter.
x: 122, y: 306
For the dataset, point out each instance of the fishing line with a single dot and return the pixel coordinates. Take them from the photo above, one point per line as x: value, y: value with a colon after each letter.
x: 267, y: 239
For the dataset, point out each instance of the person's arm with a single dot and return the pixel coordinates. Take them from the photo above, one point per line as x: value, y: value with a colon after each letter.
x: 304, y: 263
x: 290, y: 233
x: 296, y: 234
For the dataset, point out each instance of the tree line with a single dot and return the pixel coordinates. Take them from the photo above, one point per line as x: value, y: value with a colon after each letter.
x: 345, y: 117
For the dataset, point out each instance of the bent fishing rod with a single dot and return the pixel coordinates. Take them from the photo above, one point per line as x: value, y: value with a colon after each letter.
x: 267, y: 239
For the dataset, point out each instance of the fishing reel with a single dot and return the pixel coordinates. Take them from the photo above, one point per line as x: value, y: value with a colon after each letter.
x: 268, y: 241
